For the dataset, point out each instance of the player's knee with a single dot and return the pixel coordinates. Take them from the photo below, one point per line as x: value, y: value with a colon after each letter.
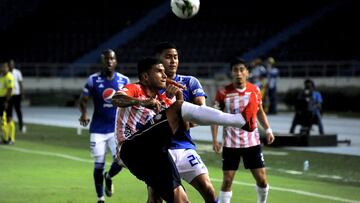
x: 99, y: 165
x: 227, y: 183
x: 262, y: 182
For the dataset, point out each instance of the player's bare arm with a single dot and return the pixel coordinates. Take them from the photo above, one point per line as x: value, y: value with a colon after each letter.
x: 121, y: 100
x: 261, y: 115
x: 216, y: 145
x: 214, y: 132
x: 84, y: 119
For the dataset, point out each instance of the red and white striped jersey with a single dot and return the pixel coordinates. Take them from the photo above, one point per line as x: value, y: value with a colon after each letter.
x: 232, y: 100
x: 133, y: 118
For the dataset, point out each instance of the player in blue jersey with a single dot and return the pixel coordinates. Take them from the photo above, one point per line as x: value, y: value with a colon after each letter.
x: 101, y: 87
x: 182, y: 149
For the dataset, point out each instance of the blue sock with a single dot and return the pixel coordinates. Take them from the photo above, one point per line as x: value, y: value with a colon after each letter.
x: 99, y: 179
x: 114, y: 169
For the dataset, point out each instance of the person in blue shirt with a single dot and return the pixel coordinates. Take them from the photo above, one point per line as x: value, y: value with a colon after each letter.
x: 182, y: 149
x: 308, y: 107
x: 101, y: 86
x: 272, y: 77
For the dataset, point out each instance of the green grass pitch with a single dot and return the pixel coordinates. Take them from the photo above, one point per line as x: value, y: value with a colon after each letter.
x: 53, y: 164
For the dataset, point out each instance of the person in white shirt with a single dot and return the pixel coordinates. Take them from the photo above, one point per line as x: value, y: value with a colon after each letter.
x: 18, y: 93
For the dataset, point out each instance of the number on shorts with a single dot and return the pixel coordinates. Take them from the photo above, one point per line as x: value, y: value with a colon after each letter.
x: 193, y: 160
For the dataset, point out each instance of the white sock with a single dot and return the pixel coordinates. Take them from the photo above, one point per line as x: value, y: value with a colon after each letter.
x: 101, y: 198
x: 224, y: 197
x: 262, y: 193
x: 204, y: 115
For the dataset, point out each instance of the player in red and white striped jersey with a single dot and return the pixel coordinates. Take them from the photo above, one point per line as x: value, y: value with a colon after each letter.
x: 237, y: 143
x: 133, y: 118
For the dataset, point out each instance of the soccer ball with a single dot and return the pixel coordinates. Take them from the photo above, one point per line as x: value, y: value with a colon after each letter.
x: 185, y: 9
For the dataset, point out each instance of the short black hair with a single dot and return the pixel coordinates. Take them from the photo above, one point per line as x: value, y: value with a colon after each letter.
x: 309, y: 81
x: 107, y: 51
x: 162, y: 46
x: 145, y: 64
x: 237, y: 60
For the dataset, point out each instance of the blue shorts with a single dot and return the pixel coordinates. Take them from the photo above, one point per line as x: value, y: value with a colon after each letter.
x: 252, y: 157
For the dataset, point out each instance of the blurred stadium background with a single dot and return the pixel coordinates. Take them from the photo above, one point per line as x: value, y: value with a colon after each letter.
x: 56, y: 44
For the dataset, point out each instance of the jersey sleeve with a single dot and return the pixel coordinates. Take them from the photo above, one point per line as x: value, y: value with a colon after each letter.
x: 196, y: 88
x: 20, y: 76
x: 88, y: 87
x: 131, y: 90
x: 258, y: 95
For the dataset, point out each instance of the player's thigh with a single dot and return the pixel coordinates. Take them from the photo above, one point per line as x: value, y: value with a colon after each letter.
x: 111, y: 143
x: 253, y: 157
x: 97, y: 144
x: 188, y: 163
x: 231, y: 158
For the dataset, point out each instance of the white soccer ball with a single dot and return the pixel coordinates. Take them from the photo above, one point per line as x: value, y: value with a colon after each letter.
x: 185, y: 9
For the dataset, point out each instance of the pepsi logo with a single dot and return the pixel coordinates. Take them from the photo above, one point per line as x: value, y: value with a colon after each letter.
x: 107, y: 94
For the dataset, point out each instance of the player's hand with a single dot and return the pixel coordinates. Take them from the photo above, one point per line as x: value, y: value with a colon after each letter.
x: 172, y: 90
x: 84, y: 120
x: 153, y: 104
x: 191, y: 125
x: 217, y: 147
x: 172, y: 82
x: 270, y: 138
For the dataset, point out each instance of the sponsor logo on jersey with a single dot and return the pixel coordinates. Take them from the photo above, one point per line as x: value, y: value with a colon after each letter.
x: 101, y: 85
x: 107, y: 94
x: 99, y: 80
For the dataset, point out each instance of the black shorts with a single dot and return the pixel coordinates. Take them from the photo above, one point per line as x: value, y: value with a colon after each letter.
x: 2, y: 107
x: 252, y: 157
x: 146, y: 155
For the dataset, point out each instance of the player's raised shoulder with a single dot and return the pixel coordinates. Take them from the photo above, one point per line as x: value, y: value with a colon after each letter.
x: 123, y: 77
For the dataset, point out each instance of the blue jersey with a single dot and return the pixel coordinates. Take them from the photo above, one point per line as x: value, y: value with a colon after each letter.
x: 102, y: 90
x: 182, y: 139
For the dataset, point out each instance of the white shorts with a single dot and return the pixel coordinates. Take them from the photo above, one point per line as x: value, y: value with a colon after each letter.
x: 188, y: 163
x: 99, y: 143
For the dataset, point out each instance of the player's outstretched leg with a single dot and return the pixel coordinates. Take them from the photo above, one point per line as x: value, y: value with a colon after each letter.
x: 204, y: 115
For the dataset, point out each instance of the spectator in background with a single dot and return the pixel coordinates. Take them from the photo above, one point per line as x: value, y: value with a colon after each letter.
x: 308, y: 108
x: 258, y: 77
x: 272, y: 76
x: 18, y: 94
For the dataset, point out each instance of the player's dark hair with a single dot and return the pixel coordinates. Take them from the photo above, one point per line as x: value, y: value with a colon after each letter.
x: 107, y: 51
x: 145, y: 64
x: 309, y: 81
x: 162, y: 46
x: 236, y: 61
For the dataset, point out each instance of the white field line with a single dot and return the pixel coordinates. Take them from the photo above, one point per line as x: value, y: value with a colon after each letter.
x: 300, y: 192
x: 65, y: 156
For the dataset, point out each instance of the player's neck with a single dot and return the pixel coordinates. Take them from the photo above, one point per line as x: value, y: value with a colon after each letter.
x: 109, y: 75
x: 149, y: 91
x: 239, y: 85
x: 173, y: 76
